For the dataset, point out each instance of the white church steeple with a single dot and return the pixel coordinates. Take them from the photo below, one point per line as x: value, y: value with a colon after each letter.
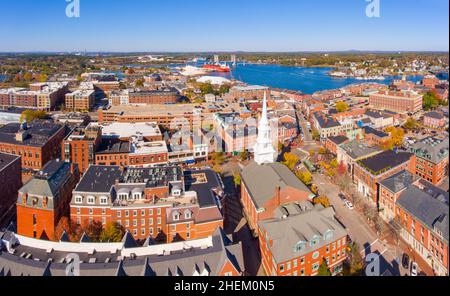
x: 264, y: 151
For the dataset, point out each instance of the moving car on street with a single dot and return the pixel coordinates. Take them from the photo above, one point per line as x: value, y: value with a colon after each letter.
x: 349, y: 205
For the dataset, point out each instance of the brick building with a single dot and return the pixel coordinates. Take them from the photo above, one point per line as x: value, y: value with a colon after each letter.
x: 374, y: 137
x: 431, y: 159
x: 248, y: 93
x: 423, y: 215
x: 81, y: 145
x: 10, y: 174
x: 42, y: 96
x: 165, y: 203
x: 80, y: 100
x: 370, y: 171
x: 434, y: 120
x: 299, y: 238
x: 45, y: 199
x: 401, y: 102
x: 261, y: 199
x: 332, y: 143
x: 37, y: 143
x: 150, y: 97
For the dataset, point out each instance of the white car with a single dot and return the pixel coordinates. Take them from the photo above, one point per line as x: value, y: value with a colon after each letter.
x: 414, y: 269
x: 349, y: 205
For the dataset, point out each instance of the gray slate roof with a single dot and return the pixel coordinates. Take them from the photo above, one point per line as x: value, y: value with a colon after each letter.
x: 429, y: 205
x: 432, y: 149
x: 184, y: 262
x: 301, y: 227
x: 399, y: 181
x: 262, y: 181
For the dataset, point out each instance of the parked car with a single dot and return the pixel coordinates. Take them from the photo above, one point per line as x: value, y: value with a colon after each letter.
x: 342, y: 197
x: 349, y: 205
x: 405, y: 261
x: 414, y: 269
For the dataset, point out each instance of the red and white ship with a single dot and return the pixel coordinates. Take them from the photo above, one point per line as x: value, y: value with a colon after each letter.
x: 217, y: 67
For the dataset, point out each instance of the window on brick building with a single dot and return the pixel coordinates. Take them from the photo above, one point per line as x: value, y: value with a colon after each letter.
x: 91, y: 200
x: 78, y: 199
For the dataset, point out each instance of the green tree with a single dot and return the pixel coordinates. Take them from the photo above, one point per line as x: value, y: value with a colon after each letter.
x: 112, y: 233
x: 341, y: 107
x: 324, y: 270
x: 355, y: 264
x: 430, y: 101
x: 31, y: 115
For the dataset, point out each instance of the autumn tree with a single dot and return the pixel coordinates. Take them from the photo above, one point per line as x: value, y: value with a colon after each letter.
x: 323, y: 200
x: 31, y: 115
x: 341, y: 106
x: 355, y: 264
x: 334, y: 163
x: 93, y: 230
x: 342, y: 169
x: 139, y: 82
x: 218, y: 158
x: 291, y: 160
x: 305, y: 177
x: 72, y: 230
x: 237, y: 179
x: 411, y: 124
x: 244, y: 155
x: 112, y: 233
x: 396, y: 140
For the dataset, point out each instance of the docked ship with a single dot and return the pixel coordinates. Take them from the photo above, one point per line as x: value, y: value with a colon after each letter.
x: 217, y: 67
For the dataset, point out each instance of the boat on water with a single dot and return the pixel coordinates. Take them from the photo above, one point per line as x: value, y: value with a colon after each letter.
x: 217, y: 67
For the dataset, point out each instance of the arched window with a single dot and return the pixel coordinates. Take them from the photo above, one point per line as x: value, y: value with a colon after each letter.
x: 315, y: 241
x: 328, y: 235
x: 300, y: 246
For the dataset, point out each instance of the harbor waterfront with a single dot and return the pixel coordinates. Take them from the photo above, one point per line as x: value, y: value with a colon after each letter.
x: 306, y: 80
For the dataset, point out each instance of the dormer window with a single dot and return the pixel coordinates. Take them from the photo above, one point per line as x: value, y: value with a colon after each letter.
x: 137, y: 196
x: 123, y: 196
x: 328, y: 235
x: 78, y: 199
x: 300, y: 246
x: 91, y: 200
x: 188, y: 214
x: 176, y: 216
x: 103, y: 200
x: 315, y: 241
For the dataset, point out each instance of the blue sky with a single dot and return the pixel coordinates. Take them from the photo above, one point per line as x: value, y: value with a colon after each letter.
x: 219, y: 25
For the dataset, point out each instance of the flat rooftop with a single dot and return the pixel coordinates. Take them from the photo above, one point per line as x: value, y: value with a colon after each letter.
x: 144, y: 148
x: 356, y: 149
x: 385, y: 161
x: 173, y: 109
x: 113, y: 146
x: 128, y: 130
